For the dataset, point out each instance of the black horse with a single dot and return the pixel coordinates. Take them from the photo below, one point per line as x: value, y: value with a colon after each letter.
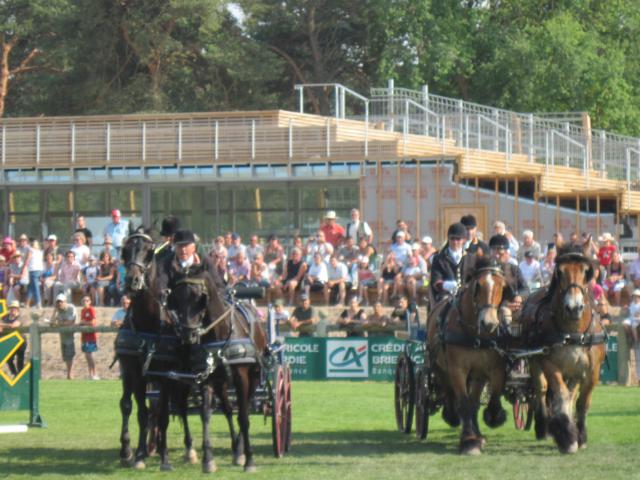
x: 142, y: 343
x: 223, y: 347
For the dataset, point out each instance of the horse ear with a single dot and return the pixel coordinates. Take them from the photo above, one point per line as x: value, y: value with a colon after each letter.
x: 590, y: 272
x: 150, y: 255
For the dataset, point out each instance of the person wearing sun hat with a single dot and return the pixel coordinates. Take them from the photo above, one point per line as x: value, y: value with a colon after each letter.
x: 333, y: 232
x: 9, y: 323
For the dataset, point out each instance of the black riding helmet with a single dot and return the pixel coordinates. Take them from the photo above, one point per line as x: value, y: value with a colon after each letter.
x: 457, y: 230
x: 499, y: 241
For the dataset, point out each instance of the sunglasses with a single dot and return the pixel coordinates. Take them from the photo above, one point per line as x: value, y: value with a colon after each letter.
x: 456, y: 238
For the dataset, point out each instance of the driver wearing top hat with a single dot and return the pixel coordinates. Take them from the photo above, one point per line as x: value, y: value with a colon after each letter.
x: 448, y: 266
x: 170, y: 225
x: 473, y: 245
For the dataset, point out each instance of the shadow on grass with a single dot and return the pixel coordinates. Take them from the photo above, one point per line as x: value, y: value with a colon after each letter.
x: 41, y: 461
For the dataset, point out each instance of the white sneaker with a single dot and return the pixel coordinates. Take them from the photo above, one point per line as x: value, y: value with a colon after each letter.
x: 95, y: 377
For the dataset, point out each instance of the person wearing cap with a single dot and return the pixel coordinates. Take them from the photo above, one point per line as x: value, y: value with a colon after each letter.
x: 52, y: 248
x: 107, y: 246
x: 68, y: 276
x: 118, y: 229
x: 304, y: 317
x: 606, y: 250
x: 18, y: 277
x: 401, y: 249
x: 64, y: 315
x: 170, y: 225
x: 4, y: 277
x: 9, y: 323
x: 515, y: 290
x: 401, y: 226
x: 530, y: 269
x: 358, y: 229
x: 81, y: 227
x: 8, y: 248
x: 333, y: 232
x: 427, y: 250
x: 81, y: 250
x: 23, y: 245
x: 529, y: 245
x: 184, y: 261
x: 447, y: 267
x: 499, y: 228
x: 473, y: 245
x: 33, y: 267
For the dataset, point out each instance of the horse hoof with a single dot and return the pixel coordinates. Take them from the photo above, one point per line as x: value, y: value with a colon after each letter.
x: 573, y: 448
x: 250, y: 469
x: 166, y: 467
x: 583, y: 446
x: 190, y: 456
x: 471, y: 451
x: 127, y: 462
x: 483, y: 442
x: 239, y: 460
x: 139, y: 465
x: 209, y: 467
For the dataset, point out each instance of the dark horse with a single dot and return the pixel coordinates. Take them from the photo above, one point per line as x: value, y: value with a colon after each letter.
x: 462, y: 335
x: 562, y: 321
x: 140, y: 339
x: 223, y: 346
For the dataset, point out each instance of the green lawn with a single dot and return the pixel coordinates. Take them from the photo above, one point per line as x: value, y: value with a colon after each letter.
x: 340, y: 429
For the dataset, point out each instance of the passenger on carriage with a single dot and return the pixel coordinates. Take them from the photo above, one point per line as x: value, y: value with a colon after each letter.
x: 447, y: 265
x: 170, y: 225
x: 516, y: 290
x: 473, y: 244
x: 529, y: 245
x: 530, y: 269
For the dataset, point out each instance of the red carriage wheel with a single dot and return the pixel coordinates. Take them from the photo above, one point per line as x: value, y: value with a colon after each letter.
x: 423, y: 408
x: 287, y: 403
x: 404, y: 393
x: 520, y: 413
x: 277, y: 407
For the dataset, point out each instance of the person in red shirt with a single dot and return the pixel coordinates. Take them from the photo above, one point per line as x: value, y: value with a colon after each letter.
x: 333, y: 232
x: 8, y: 248
x: 606, y: 251
x: 89, y: 340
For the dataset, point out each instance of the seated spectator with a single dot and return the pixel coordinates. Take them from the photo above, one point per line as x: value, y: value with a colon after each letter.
x: 64, y: 314
x: 23, y: 245
x: 589, y: 246
x: 254, y: 248
x: 10, y: 323
x: 4, y: 277
x: 605, y: 252
x: 366, y: 250
x: 615, y: 281
x: 338, y: 281
x: 68, y: 276
x: 18, y: 278
x: 304, y: 318
x: 388, y: 274
x: 48, y: 278
x: 106, y: 272
x: 378, y: 322
x: 274, y: 255
x: 348, y: 254
x: 81, y: 227
x: 405, y: 313
x: 366, y: 279
x: 412, y: 276
x: 121, y: 313
x: 236, y: 247
x: 317, y: 275
x: 8, y: 248
x: 107, y: 246
x: 239, y: 269
x: 400, y: 248
x: 51, y: 246
x: 90, y: 278
x: 280, y: 314
x: 548, y: 265
x: 531, y: 271
x: 294, y: 271
x: 219, y: 255
x: 80, y: 249
x: 260, y: 273
x: 401, y: 226
x: 500, y: 228
x: 352, y: 318
x: 319, y: 245
x: 631, y: 325
x: 427, y: 249
x: 529, y: 245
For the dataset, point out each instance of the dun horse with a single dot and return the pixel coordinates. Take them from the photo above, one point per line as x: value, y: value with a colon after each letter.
x: 141, y: 334
x: 462, y: 335
x: 222, y: 346
x: 562, y: 320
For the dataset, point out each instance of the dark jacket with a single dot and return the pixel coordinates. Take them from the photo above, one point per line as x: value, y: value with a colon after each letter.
x: 444, y: 268
x: 479, y: 245
x: 168, y: 268
x: 516, y: 284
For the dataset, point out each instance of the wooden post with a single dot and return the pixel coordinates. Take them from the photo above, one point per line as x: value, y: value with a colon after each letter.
x: 597, y: 215
x: 379, y: 203
x: 536, y: 210
x: 477, y: 192
x: 398, y: 196
x: 516, y: 217
x: 578, y: 214
x: 418, y: 199
x: 638, y: 239
x: 557, y: 213
x: 438, y: 212
x: 496, y: 201
x: 618, y: 205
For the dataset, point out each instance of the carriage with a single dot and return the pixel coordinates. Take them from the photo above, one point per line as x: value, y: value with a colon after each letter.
x: 272, y: 397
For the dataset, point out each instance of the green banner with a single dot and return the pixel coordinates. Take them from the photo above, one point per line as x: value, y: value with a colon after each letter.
x: 609, y: 368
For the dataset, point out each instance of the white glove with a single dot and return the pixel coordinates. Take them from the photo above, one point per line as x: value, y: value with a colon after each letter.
x: 450, y: 286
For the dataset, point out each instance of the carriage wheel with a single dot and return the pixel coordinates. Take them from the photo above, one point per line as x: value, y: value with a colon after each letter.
x: 404, y: 393
x: 287, y: 396
x: 277, y: 409
x: 520, y: 413
x: 422, y: 405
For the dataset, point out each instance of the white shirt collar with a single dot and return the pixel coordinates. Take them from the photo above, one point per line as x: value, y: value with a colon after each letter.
x: 188, y: 262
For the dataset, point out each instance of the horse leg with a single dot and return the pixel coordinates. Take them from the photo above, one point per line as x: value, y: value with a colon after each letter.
x: 208, y: 463
x: 449, y: 413
x: 237, y: 446
x: 470, y: 442
x: 475, y: 392
x: 163, y: 424
x: 583, y: 404
x: 126, y: 406
x: 561, y: 425
x: 140, y: 392
x: 494, y: 415
x: 241, y: 380
x: 190, y: 455
x: 541, y: 414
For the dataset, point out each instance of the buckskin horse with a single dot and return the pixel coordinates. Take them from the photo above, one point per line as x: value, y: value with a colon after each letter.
x: 462, y: 336
x: 223, y: 346
x: 562, y: 321
x: 141, y: 338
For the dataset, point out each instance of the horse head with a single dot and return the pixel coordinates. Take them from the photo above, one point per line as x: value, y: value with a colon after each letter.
x: 137, y: 254
x: 570, y: 280
x: 190, y: 303
x: 483, y: 297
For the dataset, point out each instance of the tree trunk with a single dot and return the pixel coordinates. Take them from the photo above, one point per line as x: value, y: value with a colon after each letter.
x: 4, y: 73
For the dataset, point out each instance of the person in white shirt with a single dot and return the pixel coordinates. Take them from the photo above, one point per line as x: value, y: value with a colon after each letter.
x: 117, y: 230
x: 412, y: 274
x: 531, y: 271
x: 254, y: 248
x: 236, y: 247
x: 400, y: 248
x: 358, y: 229
x: 80, y: 249
x: 34, y: 265
x: 317, y: 274
x: 338, y: 275
x: 320, y: 245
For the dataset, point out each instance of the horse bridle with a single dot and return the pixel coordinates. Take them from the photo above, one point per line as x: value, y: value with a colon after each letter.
x: 135, y: 263
x: 477, y: 309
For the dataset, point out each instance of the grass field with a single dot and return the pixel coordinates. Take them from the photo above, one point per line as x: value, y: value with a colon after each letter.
x: 341, y: 430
